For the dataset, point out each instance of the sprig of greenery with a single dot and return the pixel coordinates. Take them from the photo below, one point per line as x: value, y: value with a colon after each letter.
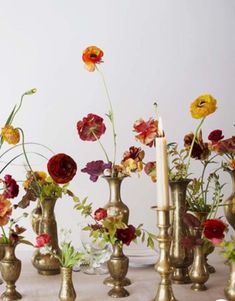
x: 228, y: 249
x: 178, y: 169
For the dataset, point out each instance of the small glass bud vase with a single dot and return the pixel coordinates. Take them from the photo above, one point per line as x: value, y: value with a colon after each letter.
x: 67, y: 291
x: 229, y: 290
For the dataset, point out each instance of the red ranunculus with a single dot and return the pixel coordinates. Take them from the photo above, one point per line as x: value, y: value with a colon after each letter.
x: 200, y: 149
x: 91, y: 128
x: 100, y: 214
x: 42, y: 240
x: 215, y: 136
x: 96, y: 168
x: 147, y: 131
x: 11, y: 189
x: 214, y: 230
x: 62, y: 168
x: 126, y: 235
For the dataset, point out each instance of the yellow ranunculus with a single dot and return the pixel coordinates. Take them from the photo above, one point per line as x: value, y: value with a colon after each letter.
x: 203, y: 106
x: 10, y: 134
x: 41, y: 175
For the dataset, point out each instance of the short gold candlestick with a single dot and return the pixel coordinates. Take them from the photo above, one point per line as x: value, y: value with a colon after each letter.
x: 163, y: 266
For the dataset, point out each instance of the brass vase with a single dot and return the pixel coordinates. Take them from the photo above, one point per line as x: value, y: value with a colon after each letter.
x: 2, y: 252
x: 36, y: 216
x: 181, y: 258
x: 229, y: 207
x: 118, y: 267
x: 10, y: 268
x: 67, y: 291
x: 198, y: 271
x: 229, y: 290
x: 44, y: 262
x: 115, y: 202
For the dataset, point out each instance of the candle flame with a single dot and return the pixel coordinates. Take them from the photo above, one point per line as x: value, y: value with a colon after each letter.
x: 160, y: 128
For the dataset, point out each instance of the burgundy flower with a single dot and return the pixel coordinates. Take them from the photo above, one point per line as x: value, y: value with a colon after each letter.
x: 126, y: 235
x: 189, y: 242
x: 200, y: 149
x: 226, y: 146
x: 150, y: 170
x: 96, y: 168
x: 100, y: 214
x: 135, y: 153
x: 147, y: 131
x: 62, y: 168
x: 42, y: 240
x: 191, y: 220
x: 14, y: 237
x: 91, y: 128
x: 215, y: 136
x: 11, y: 188
x: 214, y: 230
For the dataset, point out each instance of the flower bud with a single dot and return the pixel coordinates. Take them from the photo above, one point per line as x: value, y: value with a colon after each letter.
x: 30, y: 92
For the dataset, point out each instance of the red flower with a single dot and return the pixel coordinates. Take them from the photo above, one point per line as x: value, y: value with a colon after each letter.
x: 135, y: 153
x: 226, y: 146
x: 214, y: 230
x: 147, y: 131
x: 42, y: 240
x: 11, y: 188
x: 62, y: 168
x: 90, y: 128
x: 200, y: 149
x: 215, y: 136
x: 96, y: 168
x: 126, y: 235
x: 100, y: 214
x: 91, y: 56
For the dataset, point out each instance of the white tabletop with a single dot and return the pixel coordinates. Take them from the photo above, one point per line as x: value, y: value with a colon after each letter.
x: 35, y: 287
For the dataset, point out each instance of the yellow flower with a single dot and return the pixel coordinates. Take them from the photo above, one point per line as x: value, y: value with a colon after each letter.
x: 10, y: 134
x: 203, y: 106
x: 131, y: 165
x: 41, y: 175
x: 5, y: 210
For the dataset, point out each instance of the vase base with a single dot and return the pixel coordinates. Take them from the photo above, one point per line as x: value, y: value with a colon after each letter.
x: 48, y: 273
x: 119, y: 292
x: 109, y: 281
x: 180, y: 276
x: 197, y: 287
x: 11, y: 296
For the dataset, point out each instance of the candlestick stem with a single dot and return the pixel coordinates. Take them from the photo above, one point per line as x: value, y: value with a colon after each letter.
x: 163, y: 266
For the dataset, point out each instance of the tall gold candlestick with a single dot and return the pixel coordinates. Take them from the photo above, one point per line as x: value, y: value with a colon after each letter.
x: 163, y: 266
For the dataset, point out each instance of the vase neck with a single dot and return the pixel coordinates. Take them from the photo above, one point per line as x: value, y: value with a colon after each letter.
x: 114, y: 189
x: 48, y: 206
x: 117, y: 250
x: 66, y: 273
x: 9, y: 252
x: 232, y: 174
x: 178, y: 192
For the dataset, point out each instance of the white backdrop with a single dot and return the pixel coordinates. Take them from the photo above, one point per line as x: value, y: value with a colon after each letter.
x: 167, y: 51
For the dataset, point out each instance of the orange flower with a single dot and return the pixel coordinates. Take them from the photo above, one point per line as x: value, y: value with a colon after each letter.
x: 91, y: 56
x: 232, y: 164
x: 147, y: 131
x: 5, y: 210
x: 10, y: 134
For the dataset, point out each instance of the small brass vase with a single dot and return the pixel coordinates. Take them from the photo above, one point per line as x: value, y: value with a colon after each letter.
x: 198, y: 271
x: 44, y: 262
x: 67, y: 291
x: 229, y: 207
x: 2, y: 252
x: 36, y: 216
x: 181, y: 258
x: 10, y: 268
x: 229, y: 290
x: 115, y: 203
x: 118, y: 267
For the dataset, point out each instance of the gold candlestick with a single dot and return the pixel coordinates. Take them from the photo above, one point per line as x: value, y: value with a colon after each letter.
x: 163, y: 266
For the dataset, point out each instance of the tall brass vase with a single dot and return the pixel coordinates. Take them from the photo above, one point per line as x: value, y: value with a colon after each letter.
x: 67, y: 291
x: 45, y: 263
x: 2, y: 252
x: 118, y: 267
x: 10, y: 268
x: 229, y: 290
x: 229, y: 208
x: 115, y: 201
x: 198, y: 271
x: 181, y: 258
x: 36, y: 216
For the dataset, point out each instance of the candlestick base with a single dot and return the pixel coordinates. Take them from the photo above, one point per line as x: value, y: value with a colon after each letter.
x: 163, y: 266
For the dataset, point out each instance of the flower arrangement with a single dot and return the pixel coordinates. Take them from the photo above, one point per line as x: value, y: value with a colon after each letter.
x: 92, y: 127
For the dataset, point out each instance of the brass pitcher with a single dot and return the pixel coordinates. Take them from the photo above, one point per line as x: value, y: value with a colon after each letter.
x: 181, y: 258
x: 67, y: 291
x: 118, y: 267
x: 10, y: 268
x: 229, y: 290
x: 198, y: 271
x: 229, y: 208
x: 115, y: 201
x: 36, y: 216
x: 45, y: 263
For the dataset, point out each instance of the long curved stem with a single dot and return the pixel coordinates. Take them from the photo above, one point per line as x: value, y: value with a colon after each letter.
x: 111, y: 117
x: 101, y: 145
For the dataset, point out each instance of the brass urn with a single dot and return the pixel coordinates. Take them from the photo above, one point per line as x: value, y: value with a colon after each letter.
x: 229, y: 290
x: 229, y: 205
x: 36, y: 216
x: 67, y: 291
x: 10, y: 267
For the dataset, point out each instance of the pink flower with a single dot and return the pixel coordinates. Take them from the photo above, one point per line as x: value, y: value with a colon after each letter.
x: 100, y: 214
x: 11, y: 189
x: 214, y: 230
x: 96, y: 168
x: 91, y: 128
x: 42, y: 240
x: 147, y: 131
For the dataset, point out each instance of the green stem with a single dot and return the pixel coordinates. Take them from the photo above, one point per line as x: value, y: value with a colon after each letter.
x: 101, y: 145
x: 4, y: 235
x: 8, y: 163
x: 17, y: 110
x: 192, y: 144
x: 111, y: 117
